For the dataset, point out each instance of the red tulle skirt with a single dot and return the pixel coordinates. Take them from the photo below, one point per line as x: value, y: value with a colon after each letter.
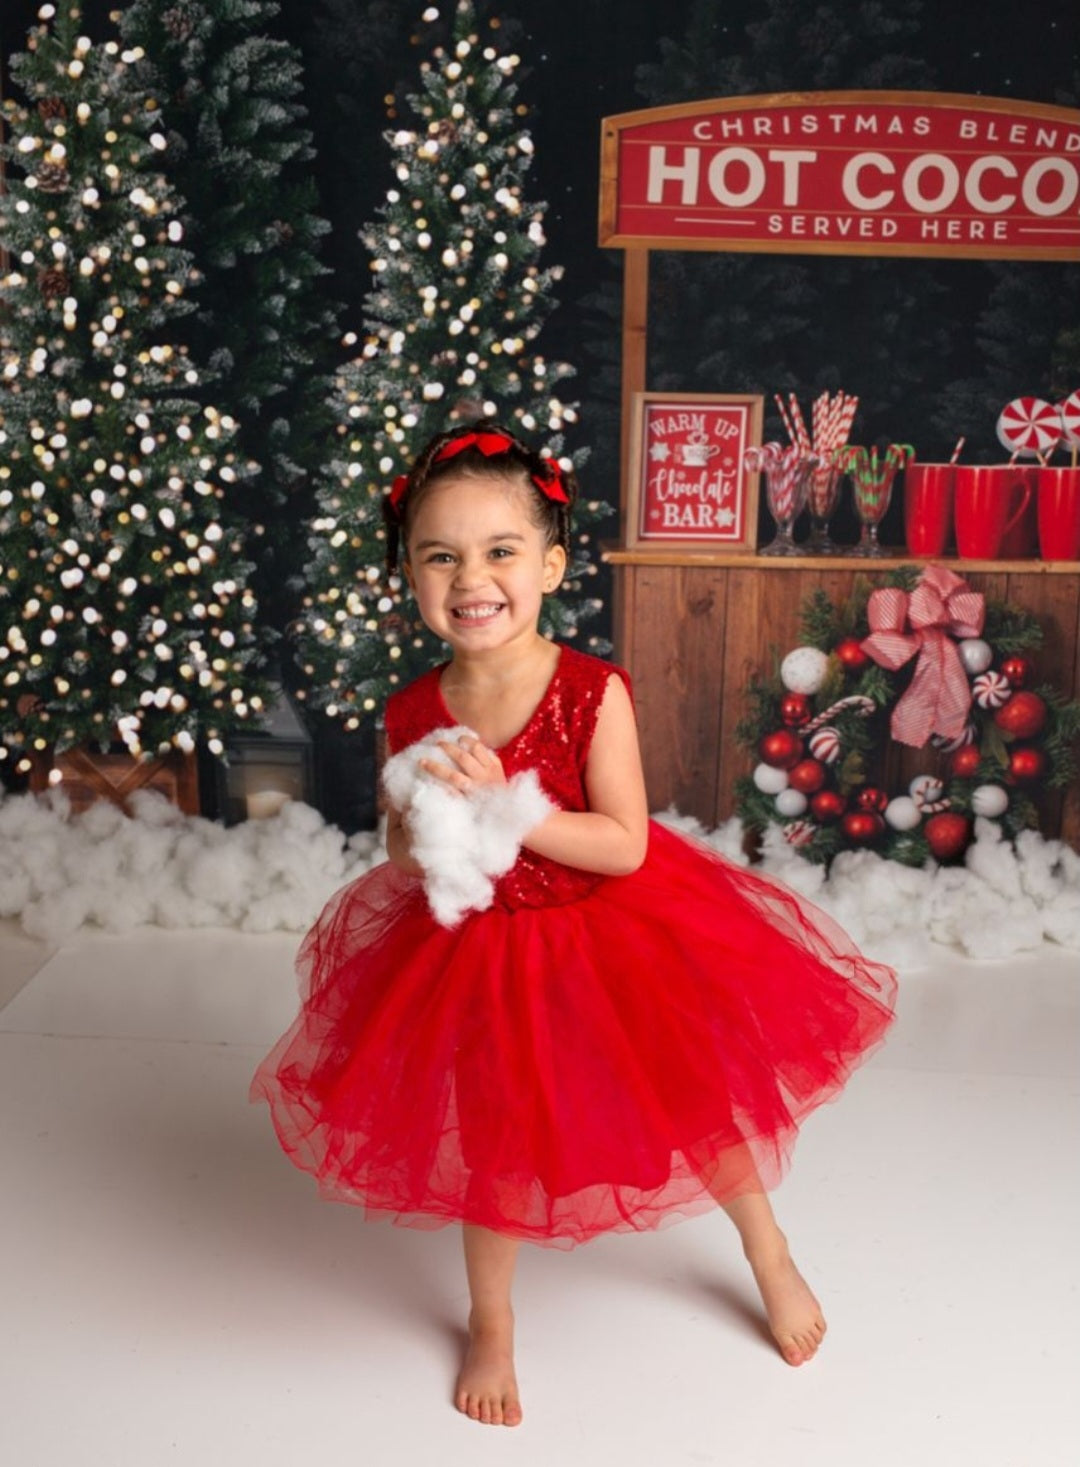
x: 554, y: 1073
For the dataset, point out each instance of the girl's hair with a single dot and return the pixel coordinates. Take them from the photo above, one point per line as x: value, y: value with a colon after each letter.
x: 518, y: 463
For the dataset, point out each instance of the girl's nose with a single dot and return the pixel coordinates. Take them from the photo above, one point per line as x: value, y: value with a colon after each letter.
x: 469, y: 572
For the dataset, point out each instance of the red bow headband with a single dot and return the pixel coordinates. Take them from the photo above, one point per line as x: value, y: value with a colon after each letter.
x: 490, y: 445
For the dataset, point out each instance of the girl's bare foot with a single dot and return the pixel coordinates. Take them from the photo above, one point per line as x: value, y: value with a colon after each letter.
x: 487, y: 1388
x: 794, y: 1315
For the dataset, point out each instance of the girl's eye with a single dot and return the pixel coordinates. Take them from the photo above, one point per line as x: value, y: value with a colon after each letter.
x: 501, y: 551
x: 438, y: 557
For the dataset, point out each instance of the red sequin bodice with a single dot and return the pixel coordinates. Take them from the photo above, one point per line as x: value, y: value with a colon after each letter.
x: 555, y: 742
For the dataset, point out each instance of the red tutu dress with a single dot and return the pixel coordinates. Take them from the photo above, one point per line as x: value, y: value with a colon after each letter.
x: 592, y: 1053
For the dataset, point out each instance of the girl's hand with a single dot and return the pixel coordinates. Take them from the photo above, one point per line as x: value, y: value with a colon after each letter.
x: 472, y: 766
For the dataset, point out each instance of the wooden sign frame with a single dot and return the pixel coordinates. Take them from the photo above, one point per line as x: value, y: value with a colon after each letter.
x: 687, y: 487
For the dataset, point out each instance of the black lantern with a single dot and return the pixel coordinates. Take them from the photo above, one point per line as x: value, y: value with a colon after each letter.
x: 267, y: 766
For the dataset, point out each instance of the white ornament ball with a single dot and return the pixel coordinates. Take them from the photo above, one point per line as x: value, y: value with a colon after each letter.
x: 926, y: 790
x: 989, y: 800
x: 902, y: 813
x: 825, y: 744
x: 770, y: 781
x: 992, y: 689
x: 804, y: 670
x: 791, y: 802
x: 975, y: 654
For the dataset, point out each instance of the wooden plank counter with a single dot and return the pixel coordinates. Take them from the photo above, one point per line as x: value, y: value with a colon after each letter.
x: 691, y: 628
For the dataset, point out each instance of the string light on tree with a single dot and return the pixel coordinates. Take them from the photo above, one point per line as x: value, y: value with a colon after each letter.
x: 105, y: 551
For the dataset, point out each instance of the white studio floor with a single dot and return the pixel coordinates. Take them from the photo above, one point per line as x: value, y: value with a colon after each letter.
x: 175, y: 1292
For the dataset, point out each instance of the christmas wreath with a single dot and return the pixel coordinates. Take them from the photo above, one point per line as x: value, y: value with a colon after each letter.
x: 923, y: 660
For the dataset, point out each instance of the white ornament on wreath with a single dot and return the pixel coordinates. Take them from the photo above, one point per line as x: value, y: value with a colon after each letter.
x: 902, y: 813
x: 989, y: 801
x: 791, y: 802
x: 975, y: 654
x: 804, y: 670
x: 770, y: 780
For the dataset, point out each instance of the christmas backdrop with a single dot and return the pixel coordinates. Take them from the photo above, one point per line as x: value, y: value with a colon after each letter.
x: 287, y: 126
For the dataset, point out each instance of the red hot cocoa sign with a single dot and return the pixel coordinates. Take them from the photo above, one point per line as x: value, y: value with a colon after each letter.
x: 872, y: 173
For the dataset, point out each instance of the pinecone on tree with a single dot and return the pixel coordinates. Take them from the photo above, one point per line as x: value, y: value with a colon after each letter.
x: 52, y: 178
x: 54, y: 283
x: 50, y: 107
x: 178, y: 21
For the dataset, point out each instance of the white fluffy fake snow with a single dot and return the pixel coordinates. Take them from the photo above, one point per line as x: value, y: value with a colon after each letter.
x: 1002, y: 901
x: 59, y: 872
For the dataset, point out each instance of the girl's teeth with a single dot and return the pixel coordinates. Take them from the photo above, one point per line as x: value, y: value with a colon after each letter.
x: 473, y: 613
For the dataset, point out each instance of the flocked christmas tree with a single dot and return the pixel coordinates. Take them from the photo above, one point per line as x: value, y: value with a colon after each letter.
x: 231, y: 93
x: 452, y: 318
x: 124, y: 605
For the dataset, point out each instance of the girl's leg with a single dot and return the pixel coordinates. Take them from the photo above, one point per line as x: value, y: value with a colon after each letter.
x: 487, y: 1386
x: 794, y: 1314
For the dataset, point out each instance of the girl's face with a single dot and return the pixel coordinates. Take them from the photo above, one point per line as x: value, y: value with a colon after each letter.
x: 477, y: 564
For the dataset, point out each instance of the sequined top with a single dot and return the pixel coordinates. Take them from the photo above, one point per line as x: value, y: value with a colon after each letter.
x: 555, y: 742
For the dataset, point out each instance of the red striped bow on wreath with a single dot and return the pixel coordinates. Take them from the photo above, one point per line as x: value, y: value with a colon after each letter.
x: 942, y: 607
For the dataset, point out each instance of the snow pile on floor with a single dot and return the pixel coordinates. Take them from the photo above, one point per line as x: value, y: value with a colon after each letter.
x: 59, y: 872
x: 1002, y: 901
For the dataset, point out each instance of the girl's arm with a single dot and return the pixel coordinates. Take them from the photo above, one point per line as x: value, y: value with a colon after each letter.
x: 612, y: 835
x: 397, y: 844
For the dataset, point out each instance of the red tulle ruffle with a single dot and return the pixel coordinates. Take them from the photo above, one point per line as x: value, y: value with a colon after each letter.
x: 554, y: 1073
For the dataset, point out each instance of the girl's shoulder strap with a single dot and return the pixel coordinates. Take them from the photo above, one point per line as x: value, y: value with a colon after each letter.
x: 584, y: 671
x: 414, y: 711
x: 583, y: 680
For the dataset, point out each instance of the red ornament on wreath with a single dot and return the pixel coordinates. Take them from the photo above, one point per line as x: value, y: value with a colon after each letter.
x: 851, y: 654
x: 947, y: 835
x: 1023, y: 716
x: 827, y: 806
x: 1025, y: 764
x: 794, y: 710
x: 807, y: 776
x: 964, y: 763
x: 862, y: 826
x: 873, y: 800
x: 1019, y: 671
x: 782, y: 749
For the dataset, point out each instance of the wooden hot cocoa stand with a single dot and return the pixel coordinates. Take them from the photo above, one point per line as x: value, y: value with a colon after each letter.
x: 696, y: 609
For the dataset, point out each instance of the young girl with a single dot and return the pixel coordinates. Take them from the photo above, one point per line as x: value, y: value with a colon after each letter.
x: 634, y: 1028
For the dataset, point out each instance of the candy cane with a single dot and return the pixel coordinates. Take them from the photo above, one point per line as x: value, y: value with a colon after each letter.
x: 862, y: 705
x: 928, y: 794
x: 1029, y: 426
x: 785, y: 417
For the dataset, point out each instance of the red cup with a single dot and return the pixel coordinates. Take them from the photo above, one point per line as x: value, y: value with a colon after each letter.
x: 1022, y: 541
x: 1059, y: 514
x: 988, y: 501
x: 928, y: 507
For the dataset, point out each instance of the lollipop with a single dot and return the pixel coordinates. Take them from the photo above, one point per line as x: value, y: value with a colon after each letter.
x: 1070, y: 418
x: 1029, y: 426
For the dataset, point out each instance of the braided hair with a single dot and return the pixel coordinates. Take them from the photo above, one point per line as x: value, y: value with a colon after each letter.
x: 518, y: 463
